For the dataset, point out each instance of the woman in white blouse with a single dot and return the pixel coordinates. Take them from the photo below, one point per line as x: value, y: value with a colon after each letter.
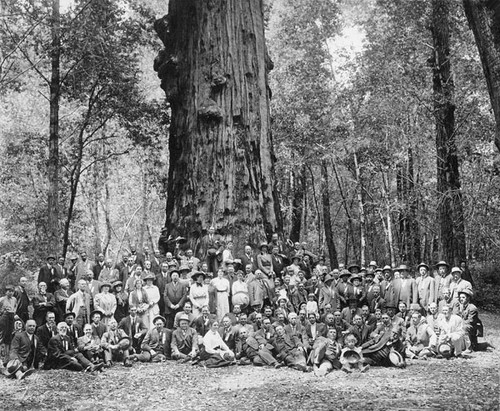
x: 153, y: 296
x: 216, y: 353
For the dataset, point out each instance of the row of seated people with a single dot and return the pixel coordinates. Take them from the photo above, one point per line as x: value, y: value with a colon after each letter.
x: 304, y: 342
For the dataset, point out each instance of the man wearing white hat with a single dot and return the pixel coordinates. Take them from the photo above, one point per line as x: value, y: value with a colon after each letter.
x: 458, y: 284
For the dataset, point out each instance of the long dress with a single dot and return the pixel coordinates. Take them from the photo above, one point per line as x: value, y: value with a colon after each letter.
x: 198, y: 294
x: 215, y: 352
x: 222, y: 287
x: 106, y: 303
x: 153, y: 296
x: 240, y: 294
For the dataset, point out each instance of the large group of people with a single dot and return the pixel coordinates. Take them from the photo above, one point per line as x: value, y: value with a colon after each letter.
x: 276, y: 305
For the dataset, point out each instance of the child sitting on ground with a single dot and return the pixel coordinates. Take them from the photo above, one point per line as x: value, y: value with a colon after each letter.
x: 351, y: 356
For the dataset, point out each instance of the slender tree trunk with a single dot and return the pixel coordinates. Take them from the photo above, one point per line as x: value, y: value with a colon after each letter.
x: 214, y: 72
x: 387, y: 221
x: 316, y: 206
x: 299, y: 188
x: 414, y: 228
x: 450, y: 210
x: 361, y: 207
x: 347, y: 210
x: 53, y: 162
x: 327, y: 218
x: 484, y: 20
x: 144, y: 211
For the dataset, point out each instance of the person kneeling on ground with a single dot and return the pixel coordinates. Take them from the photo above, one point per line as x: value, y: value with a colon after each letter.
x: 216, y: 353
x: 156, y: 346
x: 61, y: 354
x: 116, y: 344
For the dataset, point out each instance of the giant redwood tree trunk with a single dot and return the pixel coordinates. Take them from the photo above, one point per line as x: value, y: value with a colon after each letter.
x: 484, y: 20
x: 214, y: 72
x: 450, y: 209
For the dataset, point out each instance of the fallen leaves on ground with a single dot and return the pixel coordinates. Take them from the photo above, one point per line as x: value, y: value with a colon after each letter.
x: 456, y: 384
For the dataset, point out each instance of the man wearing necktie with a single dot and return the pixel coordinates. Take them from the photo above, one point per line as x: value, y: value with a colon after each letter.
x: 156, y: 345
x: 116, y: 345
x: 26, y: 347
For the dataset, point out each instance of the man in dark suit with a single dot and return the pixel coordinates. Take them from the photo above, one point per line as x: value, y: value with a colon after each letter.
x: 98, y: 328
x: 203, y: 323
x: 277, y: 261
x: 361, y: 330
x: 174, y: 296
x: 162, y: 279
x: 48, y: 274
x: 26, y: 347
x: 62, y: 271
x: 184, y: 341
x: 290, y: 350
x: 134, y: 327
x: 48, y: 330
x: 228, y: 334
x: 74, y: 330
x: 247, y: 258
x: 313, y: 330
x: 61, y: 353
x: 23, y: 300
x: 156, y: 346
x: 99, y: 266
x: 210, y: 250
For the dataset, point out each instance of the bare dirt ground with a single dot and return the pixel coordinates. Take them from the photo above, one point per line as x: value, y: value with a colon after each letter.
x: 457, y: 384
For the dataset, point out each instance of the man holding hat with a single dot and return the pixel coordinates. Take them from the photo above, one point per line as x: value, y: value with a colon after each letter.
x: 116, y: 344
x: 451, y: 331
x: 425, y: 286
x: 156, y: 345
x: 26, y: 347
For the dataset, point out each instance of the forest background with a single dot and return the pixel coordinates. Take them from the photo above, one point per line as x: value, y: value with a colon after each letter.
x: 352, y: 117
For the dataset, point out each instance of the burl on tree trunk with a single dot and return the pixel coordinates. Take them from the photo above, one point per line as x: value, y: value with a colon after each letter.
x: 214, y: 72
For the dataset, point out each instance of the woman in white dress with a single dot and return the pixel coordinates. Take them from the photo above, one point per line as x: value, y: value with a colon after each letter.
x: 153, y: 296
x: 239, y: 291
x: 105, y: 302
x: 227, y: 254
x: 221, y: 284
x: 198, y: 292
x: 216, y: 353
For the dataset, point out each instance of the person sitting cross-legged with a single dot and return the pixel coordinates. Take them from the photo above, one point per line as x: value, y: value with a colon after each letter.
x: 351, y: 356
x: 184, y: 341
x: 90, y: 345
x: 116, y: 344
x: 421, y: 339
x: 156, y: 346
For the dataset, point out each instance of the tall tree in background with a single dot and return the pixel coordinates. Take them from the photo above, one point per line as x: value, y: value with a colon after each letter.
x: 214, y: 72
x: 53, y: 231
x: 450, y: 209
x: 484, y: 20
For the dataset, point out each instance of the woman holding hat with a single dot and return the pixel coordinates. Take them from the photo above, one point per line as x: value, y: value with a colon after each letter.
x: 153, y: 296
x: 221, y: 285
x: 105, y: 302
x: 198, y: 292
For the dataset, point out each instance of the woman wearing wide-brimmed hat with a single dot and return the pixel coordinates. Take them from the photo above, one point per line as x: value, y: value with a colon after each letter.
x: 222, y: 286
x: 105, y: 302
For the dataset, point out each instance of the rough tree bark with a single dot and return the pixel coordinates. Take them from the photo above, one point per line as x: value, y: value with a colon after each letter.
x: 450, y: 209
x: 53, y: 160
x: 327, y: 217
x: 214, y: 72
x: 484, y: 20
